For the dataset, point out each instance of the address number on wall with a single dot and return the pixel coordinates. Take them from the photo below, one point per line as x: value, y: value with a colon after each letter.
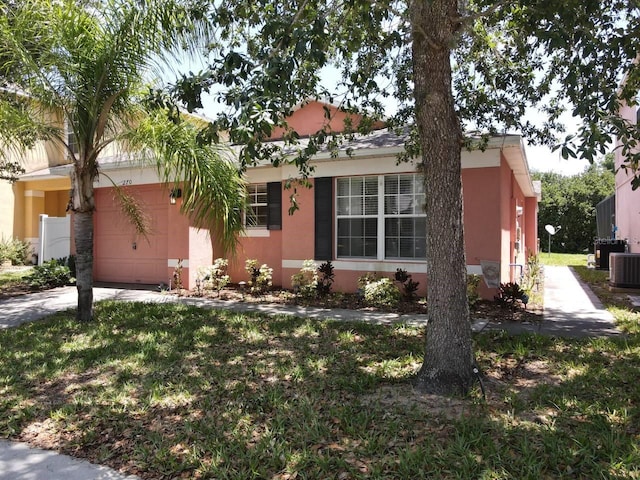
x: 126, y: 182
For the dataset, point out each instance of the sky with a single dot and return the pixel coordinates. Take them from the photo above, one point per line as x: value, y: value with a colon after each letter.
x: 542, y: 159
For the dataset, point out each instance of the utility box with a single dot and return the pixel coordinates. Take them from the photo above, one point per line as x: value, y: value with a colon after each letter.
x: 602, y: 249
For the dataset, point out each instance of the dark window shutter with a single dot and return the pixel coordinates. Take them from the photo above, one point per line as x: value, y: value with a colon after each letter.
x: 323, y: 194
x: 274, y: 202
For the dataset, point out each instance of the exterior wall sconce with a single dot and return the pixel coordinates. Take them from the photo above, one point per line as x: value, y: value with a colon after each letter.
x: 174, y: 195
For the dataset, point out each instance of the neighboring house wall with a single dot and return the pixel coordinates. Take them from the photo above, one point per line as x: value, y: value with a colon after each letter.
x: 627, y: 200
x: 10, y: 197
x: 311, y: 117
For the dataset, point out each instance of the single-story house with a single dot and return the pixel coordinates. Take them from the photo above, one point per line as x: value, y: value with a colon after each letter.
x: 364, y: 213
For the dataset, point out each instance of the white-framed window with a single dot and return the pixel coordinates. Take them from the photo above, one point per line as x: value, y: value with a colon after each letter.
x: 357, y: 217
x: 257, y: 214
x: 381, y: 217
x: 404, y: 218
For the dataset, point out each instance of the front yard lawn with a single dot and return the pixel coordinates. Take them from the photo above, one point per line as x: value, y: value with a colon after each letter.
x: 171, y: 391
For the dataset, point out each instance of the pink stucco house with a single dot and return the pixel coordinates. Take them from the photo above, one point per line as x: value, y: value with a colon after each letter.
x: 627, y: 200
x: 363, y: 213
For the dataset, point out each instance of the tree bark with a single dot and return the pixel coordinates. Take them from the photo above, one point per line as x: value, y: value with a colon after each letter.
x: 83, y: 207
x: 448, y: 362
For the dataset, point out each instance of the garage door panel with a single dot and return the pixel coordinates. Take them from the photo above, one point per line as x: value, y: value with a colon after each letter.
x: 140, y: 271
x: 123, y: 255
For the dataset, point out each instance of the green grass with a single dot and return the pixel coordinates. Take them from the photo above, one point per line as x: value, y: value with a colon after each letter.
x: 170, y: 391
x: 563, y: 259
x: 11, y: 279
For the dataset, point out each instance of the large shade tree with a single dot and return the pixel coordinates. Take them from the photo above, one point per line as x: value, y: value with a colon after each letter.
x: 448, y: 66
x: 85, y: 64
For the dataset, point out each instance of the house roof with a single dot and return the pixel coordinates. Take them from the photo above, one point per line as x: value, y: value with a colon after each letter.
x: 386, y: 143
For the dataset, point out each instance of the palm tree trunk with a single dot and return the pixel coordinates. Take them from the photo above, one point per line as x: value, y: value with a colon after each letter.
x: 448, y: 360
x: 83, y: 208
x: 83, y: 231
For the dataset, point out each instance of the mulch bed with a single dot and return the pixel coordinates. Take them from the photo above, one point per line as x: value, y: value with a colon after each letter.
x: 484, y: 309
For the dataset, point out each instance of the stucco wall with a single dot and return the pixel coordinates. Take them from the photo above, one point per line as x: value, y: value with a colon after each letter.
x: 311, y: 118
x: 627, y: 200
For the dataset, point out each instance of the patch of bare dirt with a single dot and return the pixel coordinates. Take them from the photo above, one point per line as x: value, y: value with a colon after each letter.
x: 506, y: 375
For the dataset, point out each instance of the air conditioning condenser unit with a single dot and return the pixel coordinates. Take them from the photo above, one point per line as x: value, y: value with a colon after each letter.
x: 624, y: 270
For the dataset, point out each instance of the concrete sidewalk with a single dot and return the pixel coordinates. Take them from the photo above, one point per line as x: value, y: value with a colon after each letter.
x: 27, y: 308
x: 18, y: 461
x: 571, y: 310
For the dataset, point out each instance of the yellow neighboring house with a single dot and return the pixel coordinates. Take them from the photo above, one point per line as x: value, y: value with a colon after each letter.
x: 41, y: 191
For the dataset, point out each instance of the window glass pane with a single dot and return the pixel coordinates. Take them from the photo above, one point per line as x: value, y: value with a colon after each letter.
x: 391, y: 184
x: 406, y: 227
x: 406, y: 184
x: 405, y: 204
x: 406, y: 248
x: 391, y: 246
x: 371, y: 186
x: 343, y: 187
x: 344, y: 227
x: 357, y: 247
x: 391, y: 227
x: 357, y: 228
x: 357, y: 186
x: 343, y: 206
x: 356, y: 206
x: 390, y: 205
x: 421, y: 227
x: 371, y: 247
x: 371, y: 227
x: 371, y: 206
x: 343, y: 246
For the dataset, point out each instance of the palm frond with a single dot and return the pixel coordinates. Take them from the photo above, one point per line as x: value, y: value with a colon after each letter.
x: 214, y: 193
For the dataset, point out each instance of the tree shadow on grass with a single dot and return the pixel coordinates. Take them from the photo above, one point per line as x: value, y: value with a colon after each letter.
x: 169, y: 390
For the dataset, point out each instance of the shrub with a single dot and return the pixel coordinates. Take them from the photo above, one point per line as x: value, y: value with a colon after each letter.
x: 215, y: 277
x: 326, y: 278
x: 381, y: 293
x: 49, y: 275
x: 177, y: 276
x: 409, y: 286
x: 70, y: 262
x: 511, y: 294
x: 260, y: 278
x: 533, y: 273
x: 366, y: 279
x: 14, y: 250
x: 305, y: 282
x: 473, y: 282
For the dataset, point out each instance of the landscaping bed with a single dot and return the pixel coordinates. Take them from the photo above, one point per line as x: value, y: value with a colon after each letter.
x: 482, y: 309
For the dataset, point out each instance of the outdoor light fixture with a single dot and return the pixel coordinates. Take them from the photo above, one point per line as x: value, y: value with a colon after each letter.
x: 174, y: 195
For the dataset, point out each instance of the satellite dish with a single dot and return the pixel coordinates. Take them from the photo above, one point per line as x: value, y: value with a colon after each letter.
x: 551, y: 230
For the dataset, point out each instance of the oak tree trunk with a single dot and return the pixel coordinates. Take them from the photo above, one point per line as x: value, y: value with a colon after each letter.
x: 448, y: 360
